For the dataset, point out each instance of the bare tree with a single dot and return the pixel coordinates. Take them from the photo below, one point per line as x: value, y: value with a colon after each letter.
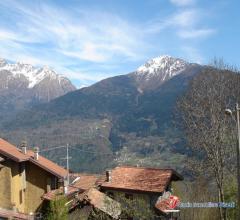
x: 192, y: 192
x: 208, y: 130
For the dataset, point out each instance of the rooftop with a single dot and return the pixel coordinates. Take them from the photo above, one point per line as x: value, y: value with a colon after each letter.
x: 11, y: 151
x: 102, y: 202
x: 86, y: 181
x: 10, y: 214
x: 82, y: 183
x: 16, y: 154
x: 141, y: 179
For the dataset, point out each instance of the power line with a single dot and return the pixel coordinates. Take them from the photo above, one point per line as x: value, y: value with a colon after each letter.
x: 68, y: 157
x: 53, y: 148
x: 75, y: 148
x: 91, y: 152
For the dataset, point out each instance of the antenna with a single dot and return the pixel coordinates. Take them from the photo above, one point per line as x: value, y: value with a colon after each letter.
x: 67, y: 159
x: 68, y: 164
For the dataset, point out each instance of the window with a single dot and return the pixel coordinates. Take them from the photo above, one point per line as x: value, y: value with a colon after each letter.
x: 20, y: 196
x: 128, y: 196
x: 53, y: 183
x: 22, y: 174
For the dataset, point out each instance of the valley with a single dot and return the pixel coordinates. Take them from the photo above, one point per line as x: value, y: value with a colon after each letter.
x: 127, y: 119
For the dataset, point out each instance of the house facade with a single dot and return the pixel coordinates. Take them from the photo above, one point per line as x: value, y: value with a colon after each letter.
x: 140, y: 183
x: 25, y: 177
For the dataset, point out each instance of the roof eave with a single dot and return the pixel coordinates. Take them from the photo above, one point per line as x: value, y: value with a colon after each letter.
x: 12, y: 157
x: 130, y: 190
x: 177, y: 175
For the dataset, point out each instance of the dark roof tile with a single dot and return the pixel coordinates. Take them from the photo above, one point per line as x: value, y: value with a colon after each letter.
x: 141, y: 179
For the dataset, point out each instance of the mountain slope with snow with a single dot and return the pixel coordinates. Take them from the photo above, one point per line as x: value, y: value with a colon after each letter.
x: 23, y: 85
x: 157, y: 70
x: 112, y: 115
x: 32, y: 74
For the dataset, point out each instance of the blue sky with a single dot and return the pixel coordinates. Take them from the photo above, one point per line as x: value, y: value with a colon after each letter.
x: 88, y: 40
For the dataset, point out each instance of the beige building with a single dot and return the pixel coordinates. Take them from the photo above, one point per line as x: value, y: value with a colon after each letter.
x: 25, y: 177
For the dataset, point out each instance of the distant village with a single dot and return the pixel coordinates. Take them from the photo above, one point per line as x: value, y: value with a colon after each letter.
x: 30, y: 185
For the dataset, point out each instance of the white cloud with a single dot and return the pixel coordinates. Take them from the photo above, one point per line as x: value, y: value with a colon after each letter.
x: 65, y: 37
x: 186, y: 18
x: 200, y: 33
x: 186, y: 23
x: 182, y: 2
x: 82, y: 74
x: 89, y: 53
x: 7, y: 35
x: 75, y: 37
x: 84, y: 35
x: 180, y: 20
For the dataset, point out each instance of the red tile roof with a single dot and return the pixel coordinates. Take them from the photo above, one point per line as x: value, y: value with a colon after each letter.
x: 141, y: 179
x: 47, y: 165
x: 4, y: 213
x: 102, y: 202
x: 53, y: 194
x: 15, y: 154
x: 11, y: 151
x: 85, y: 182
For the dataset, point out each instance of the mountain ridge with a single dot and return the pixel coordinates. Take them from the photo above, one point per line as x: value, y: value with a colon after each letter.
x: 33, y: 74
x: 111, y: 116
x: 23, y: 86
x: 157, y: 70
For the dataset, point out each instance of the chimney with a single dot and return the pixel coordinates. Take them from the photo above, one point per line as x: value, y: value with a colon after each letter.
x: 23, y: 147
x: 65, y: 187
x: 108, y: 175
x: 36, y: 153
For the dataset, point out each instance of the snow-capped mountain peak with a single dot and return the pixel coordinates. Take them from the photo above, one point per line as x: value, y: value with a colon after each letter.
x: 48, y: 72
x: 157, y: 70
x: 21, y: 68
x: 2, y: 62
x: 165, y: 65
x: 33, y: 75
x: 47, y: 69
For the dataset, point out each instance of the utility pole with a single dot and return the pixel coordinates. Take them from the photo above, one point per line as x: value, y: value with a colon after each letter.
x: 68, y: 165
x: 230, y: 112
x: 67, y: 161
x: 238, y: 157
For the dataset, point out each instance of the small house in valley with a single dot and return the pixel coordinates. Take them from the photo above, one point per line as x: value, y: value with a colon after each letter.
x: 29, y: 181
